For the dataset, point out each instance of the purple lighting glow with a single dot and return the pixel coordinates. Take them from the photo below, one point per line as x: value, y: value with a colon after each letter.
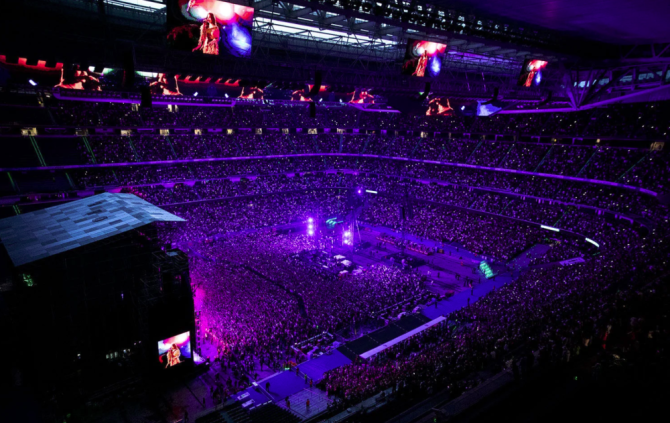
x: 346, y: 238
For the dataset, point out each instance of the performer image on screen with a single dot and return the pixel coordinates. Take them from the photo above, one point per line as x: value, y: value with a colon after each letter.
x: 300, y: 95
x: 78, y: 79
x: 173, y: 356
x: 252, y: 93
x: 210, y: 34
x: 530, y: 72
x: 421, y: 65
x: 162, y: 86
x: 439, y: 106
x: 361, y: 97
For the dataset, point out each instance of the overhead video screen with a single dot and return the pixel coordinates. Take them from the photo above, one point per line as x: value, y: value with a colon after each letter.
x: 210, y: 27
x: 486, y: 108
x: 444, y: 106
x: 159, y: 83
x: 362, y: 96
x: 252, y: 93
x: 174, y: 350
x: 531, y: 73
x: 423, y: 58
x: 439, y: 106
x: 300, y: 95
x: 66, y: 76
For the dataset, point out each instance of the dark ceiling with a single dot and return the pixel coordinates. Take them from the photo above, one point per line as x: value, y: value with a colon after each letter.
x: 610, y: 21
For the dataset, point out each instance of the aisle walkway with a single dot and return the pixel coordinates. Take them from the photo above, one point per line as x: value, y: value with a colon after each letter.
x: 463, y: 298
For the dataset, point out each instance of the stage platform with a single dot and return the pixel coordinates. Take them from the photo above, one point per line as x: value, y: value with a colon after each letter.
x: 287, y: 383
x: 318, y: 402
x: 380, y: 336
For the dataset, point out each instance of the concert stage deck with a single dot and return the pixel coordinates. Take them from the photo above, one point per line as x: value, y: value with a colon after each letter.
x: 374, y: 339
x: 287, y: 383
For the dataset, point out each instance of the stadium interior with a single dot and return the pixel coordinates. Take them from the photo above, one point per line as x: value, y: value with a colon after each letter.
x: 324, y: 211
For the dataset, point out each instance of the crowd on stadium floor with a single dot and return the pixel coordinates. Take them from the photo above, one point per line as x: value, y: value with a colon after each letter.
x: 550, y: 314
x: 260, y: 299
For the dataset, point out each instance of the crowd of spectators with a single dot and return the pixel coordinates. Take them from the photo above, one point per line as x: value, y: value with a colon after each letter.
x: 543, y: 210
x: 632, y: 166
x: 262, y: 294
x: 549, y: 315
x: 646, y: 120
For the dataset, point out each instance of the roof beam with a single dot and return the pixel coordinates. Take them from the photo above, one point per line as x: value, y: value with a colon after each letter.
x: 262, y: 4
x: 301, y: 12
x: 473, y: 46
x: 457, y: 42
x: 487, y: 49
x: 364, y: 25
x: 440, y: 33
x: 334, y: 19
x: 390, y: 30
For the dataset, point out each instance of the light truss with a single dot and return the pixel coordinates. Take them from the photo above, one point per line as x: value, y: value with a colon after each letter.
x: 144, y: 5
x: 291, y: 41
x: 274, y: 33
x: 349, y: 15
x: 597, y: 87
x: 302, y: 38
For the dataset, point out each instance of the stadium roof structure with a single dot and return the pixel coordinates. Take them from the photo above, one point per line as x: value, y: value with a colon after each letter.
x: 609, y: 21
x: 44, y: 233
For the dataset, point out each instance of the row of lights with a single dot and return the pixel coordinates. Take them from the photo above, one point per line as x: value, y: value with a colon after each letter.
x: 310, y: 226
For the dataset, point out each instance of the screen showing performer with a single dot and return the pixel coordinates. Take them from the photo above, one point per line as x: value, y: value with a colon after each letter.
x: 439, y: 106
x: 531, y: 73
x: 77, y: 78
x: 300, y: 95
x: 361, y: 96
x: 252, y: 93
x: 210, y: 27
x: 164, y: 85
x: 423, y: 58
x: 175, y: 350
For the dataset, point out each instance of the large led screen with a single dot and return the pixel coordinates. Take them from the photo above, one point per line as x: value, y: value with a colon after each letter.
x: 439, y: 106
x: 174, y: 350
x: 423, y: 58
x: 531, y: 73
x: 159, y: 83
x: 444, y: 106
x: 210, y: 27
x: 362, y: 96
